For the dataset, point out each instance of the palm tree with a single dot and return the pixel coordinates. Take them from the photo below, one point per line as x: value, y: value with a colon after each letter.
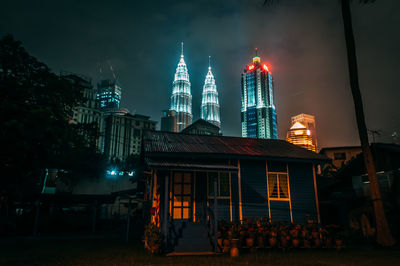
x: 383, y: 234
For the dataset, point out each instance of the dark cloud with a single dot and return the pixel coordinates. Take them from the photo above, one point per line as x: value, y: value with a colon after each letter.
x: 302, y: 41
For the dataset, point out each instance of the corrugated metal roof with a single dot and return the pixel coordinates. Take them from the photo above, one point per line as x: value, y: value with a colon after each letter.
x: 188, y: 164
x: 157, y: 142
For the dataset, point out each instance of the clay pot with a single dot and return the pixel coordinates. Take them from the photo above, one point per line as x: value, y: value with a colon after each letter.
x: 295, y: 242
x: 272, y: 241
x: 234, y: 252
x: 249, y: 242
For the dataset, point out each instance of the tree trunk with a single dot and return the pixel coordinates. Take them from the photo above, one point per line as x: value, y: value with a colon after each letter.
x: 383, y: 234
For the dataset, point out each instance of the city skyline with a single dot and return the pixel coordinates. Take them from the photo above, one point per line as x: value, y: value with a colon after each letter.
x: 304, y: 48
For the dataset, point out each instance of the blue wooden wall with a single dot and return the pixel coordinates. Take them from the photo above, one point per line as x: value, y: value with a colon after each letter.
x: 254, y: 191
x: 302, y: 191
x: 254, y: 188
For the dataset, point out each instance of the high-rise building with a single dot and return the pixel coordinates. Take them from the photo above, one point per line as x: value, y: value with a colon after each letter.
x: 181, y: 99
x: 87, y: 112
x: 298, y: 134
x: 309, y: 122
x: 209, y: 103
x: 108, y: 94
x: 168, y: 121
x: 123, y: 133
x: 258, y: 115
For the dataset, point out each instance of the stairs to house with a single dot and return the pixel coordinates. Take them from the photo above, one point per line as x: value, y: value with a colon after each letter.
x: 194, y: 239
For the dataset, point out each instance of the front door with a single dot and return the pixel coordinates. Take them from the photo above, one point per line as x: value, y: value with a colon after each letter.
x: 182, y: 196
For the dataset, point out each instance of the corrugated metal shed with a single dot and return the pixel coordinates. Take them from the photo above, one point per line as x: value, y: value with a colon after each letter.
x: 157, y: 143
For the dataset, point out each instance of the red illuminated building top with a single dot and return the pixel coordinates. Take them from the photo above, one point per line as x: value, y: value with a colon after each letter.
x: 253, y: 66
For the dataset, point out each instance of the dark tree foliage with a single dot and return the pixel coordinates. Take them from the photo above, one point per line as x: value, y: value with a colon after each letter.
x: 35, y: 107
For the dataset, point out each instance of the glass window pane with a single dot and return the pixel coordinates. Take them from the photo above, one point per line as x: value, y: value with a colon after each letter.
x: 272, y: 185
x: 283, y: 186
x: 178, y: 189
x: 177, y: 213
x: 186, y: 178
x: 177, y: 178
x: 186, y: 189
x: 177, y: 201
x: 224, y: 185
x: 185, y: 213
x: 186, y: 201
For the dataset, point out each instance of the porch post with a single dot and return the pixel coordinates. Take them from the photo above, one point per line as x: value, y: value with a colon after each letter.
x: 316, y: 194
x: 215, y: 217
x: 165, y: 218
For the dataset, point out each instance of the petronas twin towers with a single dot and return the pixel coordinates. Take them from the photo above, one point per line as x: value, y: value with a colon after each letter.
x: 181, y: 99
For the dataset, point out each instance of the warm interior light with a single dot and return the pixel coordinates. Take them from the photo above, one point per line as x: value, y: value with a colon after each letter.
x: 251, y: 67
x: 265, y: 67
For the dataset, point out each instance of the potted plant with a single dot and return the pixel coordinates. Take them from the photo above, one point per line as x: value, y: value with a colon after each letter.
x: 295, y: 235
x: 338, y: 241
x: 305, y: 234
x: 251, y: 235
x: 153, y: 238
x: 235, y: 234
x: 284, y: 237
x: 260, y: 236
x: 272, y: 238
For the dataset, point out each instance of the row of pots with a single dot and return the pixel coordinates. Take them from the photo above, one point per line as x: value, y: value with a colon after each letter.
x: 227, y: 245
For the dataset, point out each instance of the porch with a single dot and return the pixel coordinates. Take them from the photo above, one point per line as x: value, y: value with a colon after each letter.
x: 185, y: 205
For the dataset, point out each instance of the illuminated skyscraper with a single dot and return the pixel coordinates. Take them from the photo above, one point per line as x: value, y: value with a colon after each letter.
x: 299, y: 135
x: 108, y: 94
x: 209, y: 103
x: 309, y: 122
x: 181, y: 99
x: 258, y: 115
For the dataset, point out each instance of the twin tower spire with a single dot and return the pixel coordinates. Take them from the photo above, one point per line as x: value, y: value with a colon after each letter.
x: 181, y: 99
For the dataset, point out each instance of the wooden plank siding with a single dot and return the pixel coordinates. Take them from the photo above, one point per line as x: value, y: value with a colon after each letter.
x: 280, y: 211
x: 254, y: 188
x: 302, y: 191
x: 254, y: 191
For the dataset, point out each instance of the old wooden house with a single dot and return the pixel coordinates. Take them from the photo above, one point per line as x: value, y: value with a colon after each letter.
x: 195, y: 180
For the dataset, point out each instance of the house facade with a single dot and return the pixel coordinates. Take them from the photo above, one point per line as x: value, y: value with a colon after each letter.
x: 194, y: 180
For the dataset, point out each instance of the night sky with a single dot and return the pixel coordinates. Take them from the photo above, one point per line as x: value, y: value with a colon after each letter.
x: 301, y: 41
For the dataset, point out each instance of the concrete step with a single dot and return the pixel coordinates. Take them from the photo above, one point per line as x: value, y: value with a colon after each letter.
x: 194, y: 239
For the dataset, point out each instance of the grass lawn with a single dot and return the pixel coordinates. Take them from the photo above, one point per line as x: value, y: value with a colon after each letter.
x: 114, y: 252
